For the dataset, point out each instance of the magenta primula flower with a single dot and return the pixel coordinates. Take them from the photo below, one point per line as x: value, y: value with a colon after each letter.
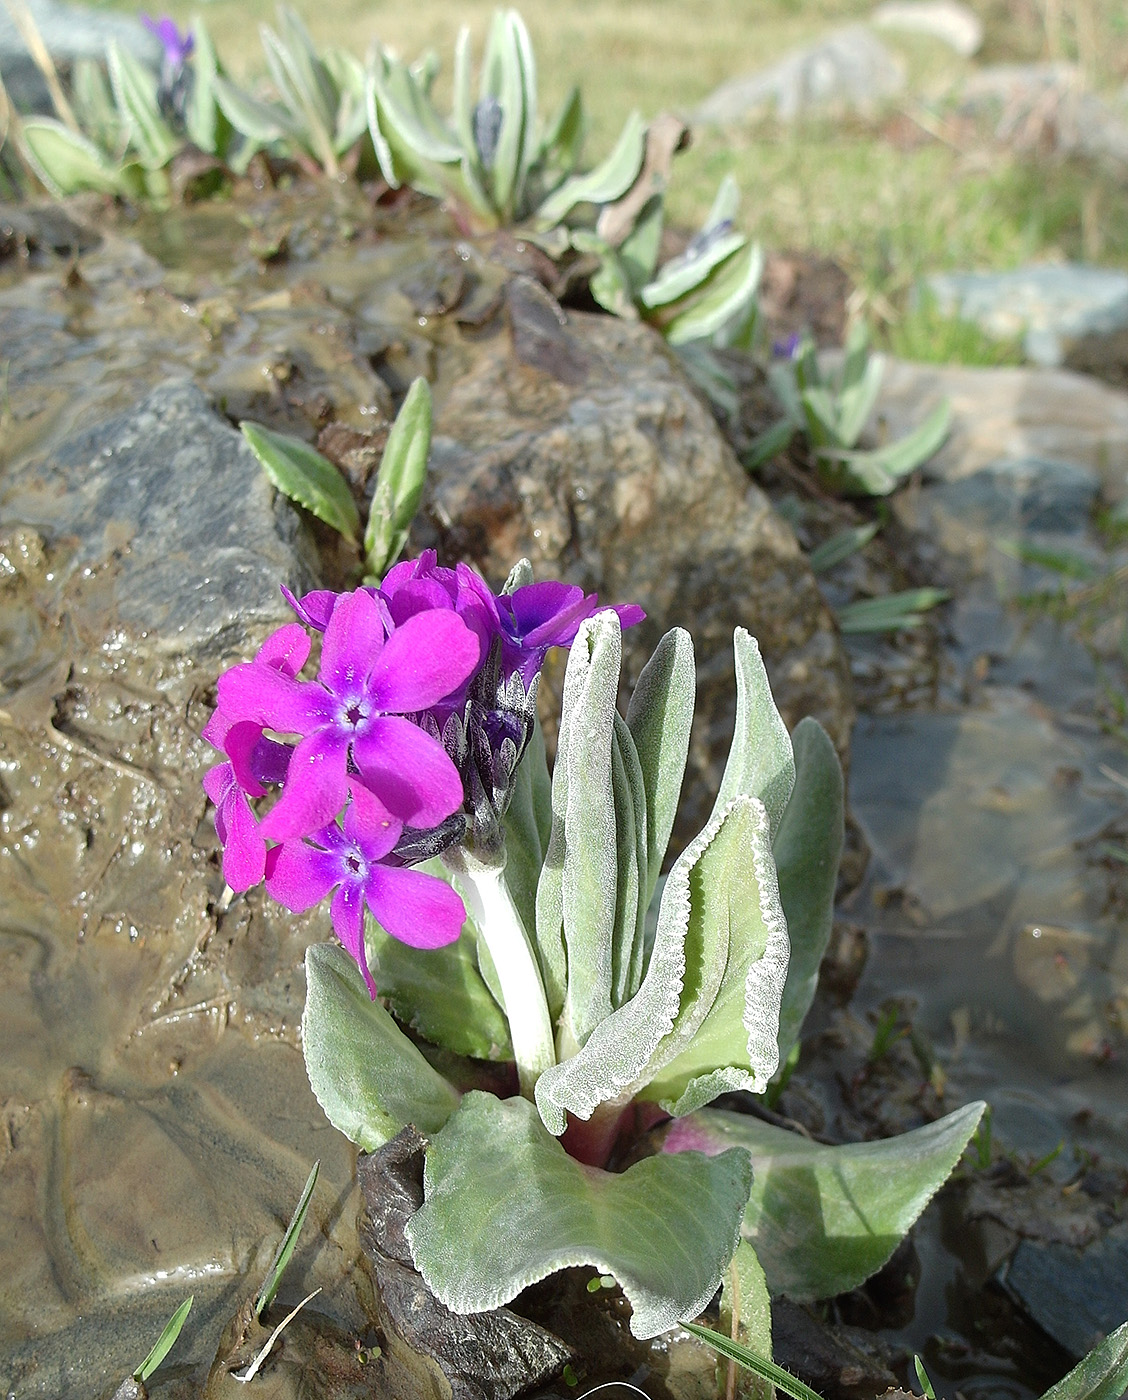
x: 350, y: 721
x: 252, y: 761
x: 418, y: 909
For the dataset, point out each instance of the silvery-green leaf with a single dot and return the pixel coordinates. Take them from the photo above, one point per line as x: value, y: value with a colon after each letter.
x: 462, y: 109
x: 305, y: 476
x: 821, y: 416
x: 856, y: 402
x: 659, y: 716
x: 736, y: 964
x: 610, y: 284
x: 528, y: 829
x: 841, y: 545
x: 717, y: 968
x: 890, y: 613
x: 425, y: 70
x: 201, y: 115
x: 93, y: 102
x: 369, y: 1079
x: 1102, y: 1375
x: 517, y: 95
x: 823, y: 1219
x: 519, y: 576
x: 609, y: 180
x: 135, y: 91
x: 628, y: 937
x: 856, y: 355
x: 726, y: 203
x: 439, y: 992
x: 701, y: 363
x: 682, y: 275
x: 399, y: 481
x: 745, y: 1298
x: 807, y: 849
x: 562, y: 143
x: 294, y: 72
x: 638, y: 252
x: 781, y: 376
x: 349, y: 78
x: 408, y: 114
x: 504, y: 1206
x: 583, y: 842
x: 877, y: 472
x: 66, y: 161
x: 260, y: 122
x: 760, y: 760
x: 726, y: 296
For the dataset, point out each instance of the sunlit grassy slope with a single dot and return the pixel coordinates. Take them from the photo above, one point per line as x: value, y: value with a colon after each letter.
x: 889, y: 198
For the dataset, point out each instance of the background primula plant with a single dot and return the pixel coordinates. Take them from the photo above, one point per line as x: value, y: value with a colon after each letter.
x: 621, y: 999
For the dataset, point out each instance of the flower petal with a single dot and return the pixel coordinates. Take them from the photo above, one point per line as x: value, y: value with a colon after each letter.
x: 369, y: 823
x: 408, y: 771
x: 262, y: 694
x: 300, y: 875
x: 314, y: 791
x: 239, y: 745
x: 217, y: 781
x: 548, y: 614
x: 287, y: 650
x: 423, y: 661
x: 353, y: 640
x: 315, y: 608
x: 347, y: 910
x: 244, y: 851
x: 418, y: 595
x: 420, y: 910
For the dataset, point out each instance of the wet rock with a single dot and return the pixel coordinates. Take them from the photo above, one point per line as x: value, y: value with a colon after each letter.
x: 69, y: 32
x: 828, y: 1358
x: 947, y: 20
x: 848, y: 70
x: 1015, y: 414
x: 430, y: 1350
x: 1077, y: 1296
x: 623, y: 483
x: 1057, y: 309
x: 27, y: 229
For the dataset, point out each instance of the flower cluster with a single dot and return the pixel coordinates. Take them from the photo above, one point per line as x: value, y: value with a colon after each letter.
x: 405, y: 744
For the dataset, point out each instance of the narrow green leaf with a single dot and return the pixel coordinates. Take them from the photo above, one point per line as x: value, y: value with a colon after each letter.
x: 504, y: 1206
x: 923, y: 1378
x: 892, y: 612
x: 400, y: 480
x: 94, y: 106
x: 727, y: 296
x: 462, y: 108
x: 877, y: 472
x: 821, y: 416
x: 349, y: 78
x: 807, y: 849
x: 823, y: 1219
x: 65, y: 161
x: 856, y: 355
x: 1102, y: 1375
x: 305, y: 476
x: 369, y: 1079
x: 507, y: 174
x: 660, y: 716
x: 135, y: 91
x: 440, y: 993
x: 841, y: 546
x: 563, y: 139
x: 752, y: 1361
x: 638, y: 252
x: 408, y: 113
x: 768, y: 444
x: 201, y: 116
x: 286, y: 1245
x: 760, y: 760
x: 165, y: 1342
x: 294, y: 72
x: 609, y: 180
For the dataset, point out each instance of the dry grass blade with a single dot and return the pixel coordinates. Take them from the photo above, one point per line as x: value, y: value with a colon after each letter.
x: 24, y: 21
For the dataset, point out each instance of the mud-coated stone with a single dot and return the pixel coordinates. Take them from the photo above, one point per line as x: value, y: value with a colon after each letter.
x: 622, y: 482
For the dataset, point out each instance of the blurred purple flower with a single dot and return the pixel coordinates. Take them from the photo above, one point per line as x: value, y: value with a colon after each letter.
x: 350, y: 721
x: 177, y: 47
x: 418, y: 909
x: 787, y: 349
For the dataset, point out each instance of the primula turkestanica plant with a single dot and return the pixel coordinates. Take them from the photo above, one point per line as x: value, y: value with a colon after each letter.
x: 507, y: 913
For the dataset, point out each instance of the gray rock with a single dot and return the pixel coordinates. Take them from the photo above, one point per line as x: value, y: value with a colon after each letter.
x: 1054, y: 308
x: 849, y: 70
x: 203, y: 541
x: 947, y: 20
x: 610, y: 472
x: 998, y: 414
x: 69, y: 32
x: 1077, y: 1296
x: 1045, y: 106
